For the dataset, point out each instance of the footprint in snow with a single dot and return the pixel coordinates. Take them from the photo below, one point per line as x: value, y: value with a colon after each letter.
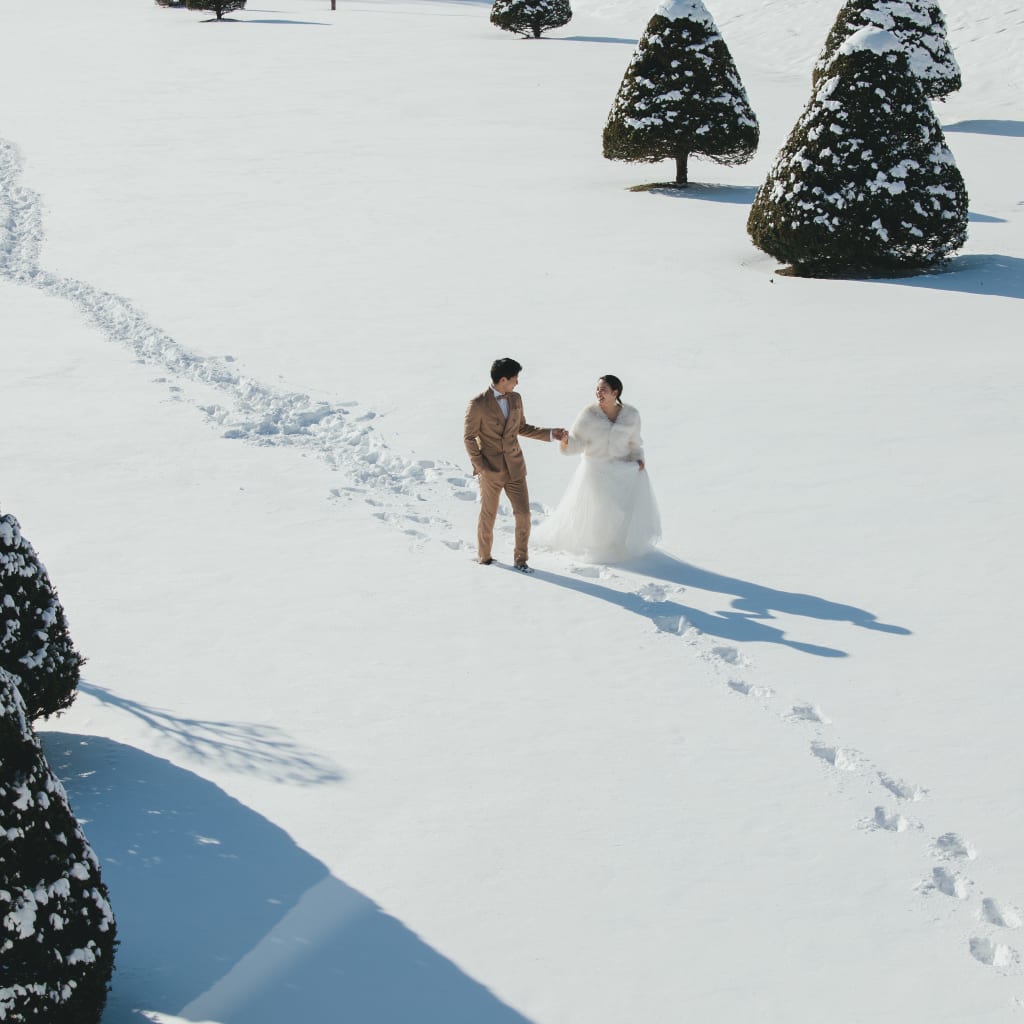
x: 998, y: 914
x: 991, y: 953
x: 839, y: 757
x: 750, y: 690
x: 889, y: 821
x: 809, y: 713
x: 901, y: 789
x: 953, y: 847
x: 948, y: 882
x: 729, y: 655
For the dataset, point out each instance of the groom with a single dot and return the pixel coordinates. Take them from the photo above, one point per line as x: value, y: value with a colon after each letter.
x: 494, y: 422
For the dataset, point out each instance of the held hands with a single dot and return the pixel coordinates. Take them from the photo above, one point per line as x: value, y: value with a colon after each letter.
x: 560, y: 434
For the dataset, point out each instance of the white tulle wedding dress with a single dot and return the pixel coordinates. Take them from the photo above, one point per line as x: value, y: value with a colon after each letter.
x: 608, y: 513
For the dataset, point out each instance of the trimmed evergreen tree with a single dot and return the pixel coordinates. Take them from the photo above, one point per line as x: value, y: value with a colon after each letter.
x: 530, y: 17
x: 220, y: 7
x: 681, y: 95
x: 865, y: 181
x: 34, y: 640
x: 57, y: 931
x: 919, y: 27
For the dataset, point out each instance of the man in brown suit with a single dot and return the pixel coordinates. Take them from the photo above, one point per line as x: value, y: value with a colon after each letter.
x: 494, y: 423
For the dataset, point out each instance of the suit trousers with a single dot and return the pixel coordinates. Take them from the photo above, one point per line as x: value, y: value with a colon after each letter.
x: 519, y: 498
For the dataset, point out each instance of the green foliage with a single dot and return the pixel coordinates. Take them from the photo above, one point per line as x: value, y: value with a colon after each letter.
x: 34, y: 640
x: 530, y: 17
x: 865, y: 181
x: 681, y: 95
x: 918, y: 26
x: 220, y: 7
x: 57, y: 931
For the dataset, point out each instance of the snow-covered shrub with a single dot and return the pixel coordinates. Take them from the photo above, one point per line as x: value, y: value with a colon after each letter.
x: 57, y: 931
x: 681, y: 95
x: 219, y: 7
x: 34, y: 640
x: 919, y: 27
x: 865, y: 181
x: 530, y: 17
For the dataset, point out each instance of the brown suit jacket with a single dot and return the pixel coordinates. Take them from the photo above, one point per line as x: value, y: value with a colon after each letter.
x: 492, y: 442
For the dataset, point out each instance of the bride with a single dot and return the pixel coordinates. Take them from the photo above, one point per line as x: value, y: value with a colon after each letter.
x: 608, y: 513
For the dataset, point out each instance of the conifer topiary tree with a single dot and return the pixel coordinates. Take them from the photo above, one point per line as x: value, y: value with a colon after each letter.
x: 219, y: 7
x: 919, y: 27
x: 865, y: 181
x: 681, y: 95
x: 57, y: 931
x: 34, y: 640
x: 530, y: 17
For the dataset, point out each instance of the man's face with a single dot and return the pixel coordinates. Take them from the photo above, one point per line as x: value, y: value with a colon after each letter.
x: 507, y: 385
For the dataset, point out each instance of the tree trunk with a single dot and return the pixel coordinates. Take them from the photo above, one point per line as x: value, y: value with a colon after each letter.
x: 681, y: 159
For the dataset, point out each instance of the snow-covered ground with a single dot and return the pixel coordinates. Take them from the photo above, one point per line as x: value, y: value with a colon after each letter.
x: 251, y: 273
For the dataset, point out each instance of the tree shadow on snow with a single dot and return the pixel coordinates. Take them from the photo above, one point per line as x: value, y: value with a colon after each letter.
x: 275, y: 21
x: 1010, y: 129
x: 249, y: 748
x: 282, y: 21
x: 752, y: 605
x: 221, y: 917
x: 981, y: 274
x: 711, y: 192
x: 594, y: 39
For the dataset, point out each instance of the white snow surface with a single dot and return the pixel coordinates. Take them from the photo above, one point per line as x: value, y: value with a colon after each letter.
x: 250, y: 274
x: 691, y: 10
x: 875, y: 40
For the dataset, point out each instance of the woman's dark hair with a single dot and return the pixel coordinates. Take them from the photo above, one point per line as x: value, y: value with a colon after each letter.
x: 615, y: 384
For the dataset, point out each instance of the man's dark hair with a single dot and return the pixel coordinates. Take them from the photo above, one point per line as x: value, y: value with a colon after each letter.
x: 504, y: 368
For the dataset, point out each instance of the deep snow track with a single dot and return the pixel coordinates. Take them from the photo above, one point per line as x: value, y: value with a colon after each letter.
x: 412, y: 496
x: 244, y: 409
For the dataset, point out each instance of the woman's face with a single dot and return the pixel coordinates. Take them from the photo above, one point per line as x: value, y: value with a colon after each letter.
x: 603, y: 393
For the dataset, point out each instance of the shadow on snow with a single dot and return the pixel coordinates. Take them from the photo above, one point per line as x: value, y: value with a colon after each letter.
x: 250, y: 748
x: 742, y: 195
x: 981, y: 274
x: 752, y: 604
x: 595, y: 39
x: 1010, y: 129
x: 222, y: 917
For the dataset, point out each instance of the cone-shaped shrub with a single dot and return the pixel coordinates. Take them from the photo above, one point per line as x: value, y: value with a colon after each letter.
x: 219, y: 7
x: 920, y: 29
x: 681, y: 95
x: 530, y: 17
x: 34, y: 640
x: 57, y: 931
x: 865, y: 181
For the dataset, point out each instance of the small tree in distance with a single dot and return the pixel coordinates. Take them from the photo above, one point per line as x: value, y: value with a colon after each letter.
x: 865, y: 181
x: 918, y: 26
x: 530, y: 17
x: 681, y: 95
x: 219, y: 7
